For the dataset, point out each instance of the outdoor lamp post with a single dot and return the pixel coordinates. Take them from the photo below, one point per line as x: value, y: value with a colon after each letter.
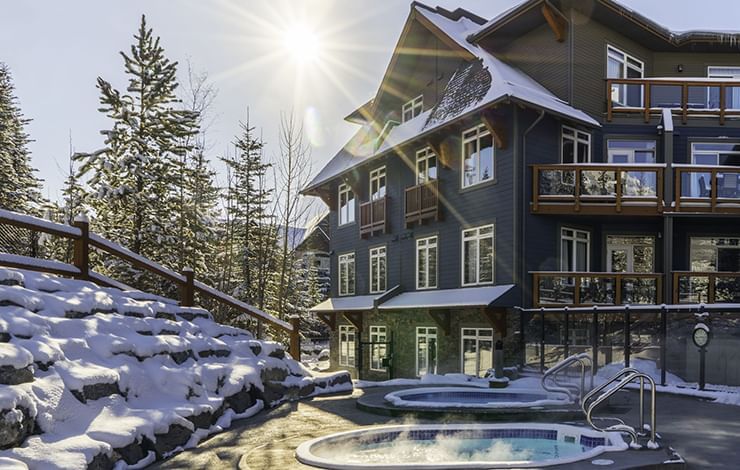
x: 701, y: 337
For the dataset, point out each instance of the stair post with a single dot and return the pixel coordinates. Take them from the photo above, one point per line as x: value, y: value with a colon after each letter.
x: 187, y: 290
x: 295, y: 337
x: 82, y: 246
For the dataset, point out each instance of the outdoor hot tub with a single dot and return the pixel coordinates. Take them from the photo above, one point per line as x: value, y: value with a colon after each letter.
x: 509, y: 445
x: 467, y: 397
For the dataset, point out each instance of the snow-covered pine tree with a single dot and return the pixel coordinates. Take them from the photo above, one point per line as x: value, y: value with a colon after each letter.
x: 133, y: 186
x: 20, y: 190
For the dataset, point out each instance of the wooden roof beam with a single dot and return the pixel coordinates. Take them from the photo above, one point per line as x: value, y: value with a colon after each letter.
x: 355, y: 318
x: 441, y: 148
x: 497, y: 127
x: 555, y: 20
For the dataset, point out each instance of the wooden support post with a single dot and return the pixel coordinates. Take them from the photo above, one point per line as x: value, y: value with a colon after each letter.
x: 82, y: 246
x: 497, y: 319
x: 497, y: 127
x: 442, y: 318
x: 187, y: 289
x: 555, y: 20
x: 329, y: 318
x: 355, y: 318
x: 295, y: 337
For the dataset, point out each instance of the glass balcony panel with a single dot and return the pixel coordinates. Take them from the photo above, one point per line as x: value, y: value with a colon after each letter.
x: 693, y: 289
x: 703, y: 97
x: 732, y: 98
x: 639, y: 290
x: 556, y: 290
x: 727, y: 289
x: 639, y: 183
x: 557, y: 183
x: 665, y: 96
x: 598, y: 183
x: 598, y: 290
x: 728, y: 185
x: 696, y: 184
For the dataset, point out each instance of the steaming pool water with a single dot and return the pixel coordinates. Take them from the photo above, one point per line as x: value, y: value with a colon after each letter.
x: 466, y: 397
x: 505, y: 445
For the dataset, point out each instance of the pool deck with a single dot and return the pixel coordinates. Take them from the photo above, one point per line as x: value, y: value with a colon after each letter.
x: 707, y: 435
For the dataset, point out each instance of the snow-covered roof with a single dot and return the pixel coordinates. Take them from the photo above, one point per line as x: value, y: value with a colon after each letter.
x: 475, y: 85
x: 354, y: 303
x: 447, y: 298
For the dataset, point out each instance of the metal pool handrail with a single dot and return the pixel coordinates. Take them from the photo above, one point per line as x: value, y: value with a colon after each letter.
x: 583, y: 359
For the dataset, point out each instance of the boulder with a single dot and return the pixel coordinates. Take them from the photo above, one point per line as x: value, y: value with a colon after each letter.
x: 9, y: 375
x: 95, y: 391
x: 176, y: 436
x: 243, y: 399
x: 15, y: 425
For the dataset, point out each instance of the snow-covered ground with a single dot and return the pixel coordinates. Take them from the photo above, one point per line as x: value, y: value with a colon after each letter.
x: 103, y: 375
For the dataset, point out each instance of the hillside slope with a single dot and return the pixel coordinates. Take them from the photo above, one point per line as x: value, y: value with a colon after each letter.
x: 95, y: 377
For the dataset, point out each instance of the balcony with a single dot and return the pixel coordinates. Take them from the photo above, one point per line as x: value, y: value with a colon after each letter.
x: 683, y: 96
x: 373, y: 217
x: 714, y: 189
x: 708, y: 287
x: 577, y: 289
x: 597, y: 189
x: 422, y: 203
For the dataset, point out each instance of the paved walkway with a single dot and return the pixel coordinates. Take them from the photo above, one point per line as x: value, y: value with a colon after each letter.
x: 707, y: 435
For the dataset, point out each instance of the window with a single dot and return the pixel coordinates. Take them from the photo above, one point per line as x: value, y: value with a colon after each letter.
x: 412, y: 108
x: 426, y: 350
x: 477, y: 253
x: 715, y: 254
x: 732, y: 94
x: 715, y: 153
x: 619, y: 64
x: 630, y: 254
x: 631, y: 151
x: 575, y: 250
x: 426, y: 166
x: 377, y: 270
x: 378, y: 347
x: 347, y: 345
x: 477, y: 150
x: 346, y: 205
x: 476, y: 350
x: 377, y: 184
x: 347, y: 274
x: 575, y: 145
x: 699, y: 183
x: 426, y: 263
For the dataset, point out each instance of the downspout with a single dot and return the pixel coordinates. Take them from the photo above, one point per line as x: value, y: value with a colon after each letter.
x: 522, y: 215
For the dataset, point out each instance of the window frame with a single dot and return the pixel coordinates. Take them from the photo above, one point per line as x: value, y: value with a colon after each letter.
x: 375, y: 177
x: 344, y: 188
x: 346, y: 258
x: 376, y: 360
x: 425, y: 155
x: 715, y: 250
x: 427, y: 247
x: 477, y: 338
x: 574, y: 240
x: 480, y: 131
x: 478, y: 237
x: 694, y: 152
x: 347, y: 330
x: 625, y: 60
x: 427, y: 335
x: 631, y: 151
x: 415, y: 106
x: 375, y: 253
x: 577, y: 140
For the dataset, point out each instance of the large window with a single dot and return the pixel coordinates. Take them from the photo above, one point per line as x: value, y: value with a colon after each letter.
x: 715, y: 254
x: 732, y: 94
x: 631, y: 151
x: 426, y: 166
x: 477, y: 149
x: 347, y: 345
x: 346, y: 205
x: 715, y: 153
x: 412, y: 108
x: 476, y: 350
x: 630, y: 254
x: 426, y: 350
x: 347, y: 274
x: 575, y: 250
x: 575, y: 145
x: 378, y: 347
x: 478, y: 254
x: 377, y: 270
x: 426, y: 263
x: 377, y: 183
x: 622, y: 65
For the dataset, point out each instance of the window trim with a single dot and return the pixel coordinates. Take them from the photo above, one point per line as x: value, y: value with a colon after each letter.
x: 347, y: 329
x: 416, y: 347
x: 373, y: 347
x: 411, y: 105
x: 625, y: 61
x: 477, y: 341
x: 372, y: 255
x: 375, y: 176
x: 575, y: 239
x: 436, y: 267
x: 577, y: 140
x: 426, y: 154
x: 344, y: 188
x: 478, y: 238
x: 339, y: 273
x: 480, y: 131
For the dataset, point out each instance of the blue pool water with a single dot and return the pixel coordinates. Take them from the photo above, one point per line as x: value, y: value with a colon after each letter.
x: 473, y: 397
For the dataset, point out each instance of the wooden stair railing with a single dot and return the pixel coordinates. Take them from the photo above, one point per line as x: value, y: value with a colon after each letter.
x: 83, y: 240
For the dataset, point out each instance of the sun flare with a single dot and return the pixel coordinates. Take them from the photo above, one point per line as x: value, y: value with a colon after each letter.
x: 302, y: 44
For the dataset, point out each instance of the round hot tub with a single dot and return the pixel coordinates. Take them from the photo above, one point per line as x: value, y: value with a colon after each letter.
x: 466, y: 397
x: 510, y: 445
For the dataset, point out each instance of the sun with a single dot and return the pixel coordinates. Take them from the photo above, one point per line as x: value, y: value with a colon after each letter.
x: 302, y: 44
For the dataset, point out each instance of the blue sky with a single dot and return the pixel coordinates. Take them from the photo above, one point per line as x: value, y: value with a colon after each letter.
x: 57, y: 49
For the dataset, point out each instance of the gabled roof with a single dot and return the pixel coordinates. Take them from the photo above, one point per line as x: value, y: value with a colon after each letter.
x: 479, y: 82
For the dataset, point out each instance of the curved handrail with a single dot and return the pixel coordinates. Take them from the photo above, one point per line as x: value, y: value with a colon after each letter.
x: 594, y: 391
x: 571, y: 390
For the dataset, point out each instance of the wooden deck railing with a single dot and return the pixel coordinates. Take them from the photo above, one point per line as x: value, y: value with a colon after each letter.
x: 707, y: 287
x: 554, y: 288
x: 687, y: 96
x: 600, y: 189
x: 373, y: 216
x: 83, y: 241
x: 707, y: 189
x: 422, y: 202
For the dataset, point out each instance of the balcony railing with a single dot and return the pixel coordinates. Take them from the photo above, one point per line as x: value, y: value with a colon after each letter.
x: 707, y: 189
x: 422, y: 202
x: 588, y: 288
x: 708, y: 287
x: 602, y: 189
x: 373, y: 217
x: 683, y: 96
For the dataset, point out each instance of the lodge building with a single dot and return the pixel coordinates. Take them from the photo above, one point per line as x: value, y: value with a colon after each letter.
x: 564, y: 153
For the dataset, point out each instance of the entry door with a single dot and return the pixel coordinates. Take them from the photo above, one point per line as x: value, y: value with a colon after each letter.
x: 632, y: 254
x: 426, y: 350
x: 620, y: 259
x: 477, y: 350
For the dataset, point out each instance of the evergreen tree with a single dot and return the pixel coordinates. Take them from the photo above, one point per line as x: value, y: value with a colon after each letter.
x: 134, y: 181
x: 20, y: 190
